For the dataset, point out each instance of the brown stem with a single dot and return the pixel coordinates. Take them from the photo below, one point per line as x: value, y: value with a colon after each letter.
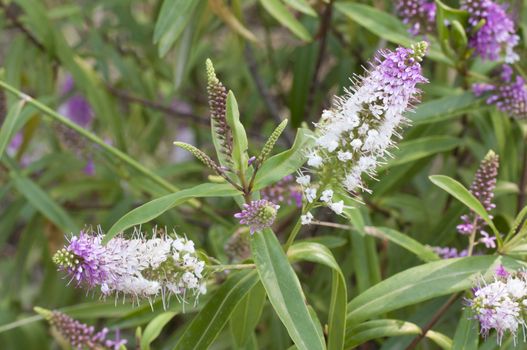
x: 11, y: 14
x: 322, y: 35
x: 439, y: 313
x: 264, y: 92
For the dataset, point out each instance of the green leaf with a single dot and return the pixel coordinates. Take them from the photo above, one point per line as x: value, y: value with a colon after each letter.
x: 284, y: 290
x: 173, y: 17
x: 282, y: 15
x: 39, y: 199
x: 154, y: 328
x: 319, y: 254
x: 422, y: 252
x: 444, y: 108
x: 305, y: 58
x: 458, y: 191
x: 422, y: 283
x: 302, y: 6
x: 440, y: 339
x: 156, y: 207
x: 8, y: 126
x: 467, y: 333
x: 247, y: 315
x: 423, y: 147
x: 284, y: 163
x: 385, y: 26
x: 209, y: 322
x: 376, y: 329
x: 240, y: 144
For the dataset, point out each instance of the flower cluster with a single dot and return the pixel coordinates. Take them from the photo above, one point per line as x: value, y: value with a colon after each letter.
x: 80, y: 335
x: 356, y: 133
x: 449, y: 252
x: 483, y: 189
x: 507, y: 92
x: 500, y: 305
x: 418, y: 14
x: 137, y: 267
x: 258, y: 215
x: 284, y: 191
x: 493, y: 31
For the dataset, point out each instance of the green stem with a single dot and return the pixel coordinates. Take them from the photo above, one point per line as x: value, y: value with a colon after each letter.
x: 472, y: 238
x: 296, y: 228
x: 110, y: 149
x: 219, y: 268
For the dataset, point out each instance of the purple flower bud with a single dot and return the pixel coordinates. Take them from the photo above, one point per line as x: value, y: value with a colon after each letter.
x: 79, y: 335
x: 483, y: 189
x: 258, y: 215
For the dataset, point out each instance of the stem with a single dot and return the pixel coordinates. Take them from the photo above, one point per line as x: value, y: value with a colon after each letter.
x: 472, y: 236
x: 297, y: 228
x: 110, y: 149
x: 331, y: 224
x: 219, y: 268
x: 439, y: 313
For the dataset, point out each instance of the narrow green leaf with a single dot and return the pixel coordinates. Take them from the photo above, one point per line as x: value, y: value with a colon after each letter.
x: 154, y: 328
x: 240, y: 144
x: 422, y: 252
x: 384, y: 25
x: 7, y: 128
x: 376, y: 329
x: 173, y: 17
x: 467, y: 333
x: 305, y: 58
x: 444, y: 108
x: 319, y: 254
x: 302, y: 6
x: 284, y: 290
x: 158, y: 206
x: 247, y: 315
x: 458, y: 191
x: 209, y: 322
x: 282, y: 15
x: 423, y: 147
x: 443, y: 341
x: 421, y: 283
x: 285, y: 163
x: 39, y: 199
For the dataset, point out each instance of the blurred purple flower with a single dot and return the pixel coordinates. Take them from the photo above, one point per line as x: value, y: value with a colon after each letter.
x: 284, y: 191
x: 418, y: 14
x: 449, y: 252
x: 507, y: 91
x: 496, y: 36
x: 76, y: 107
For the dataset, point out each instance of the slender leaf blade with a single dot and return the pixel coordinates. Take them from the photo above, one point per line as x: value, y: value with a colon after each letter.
x: 458, y: 191
x: 284, y: 290
x: 209, y: 322
x: 158, y: 206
